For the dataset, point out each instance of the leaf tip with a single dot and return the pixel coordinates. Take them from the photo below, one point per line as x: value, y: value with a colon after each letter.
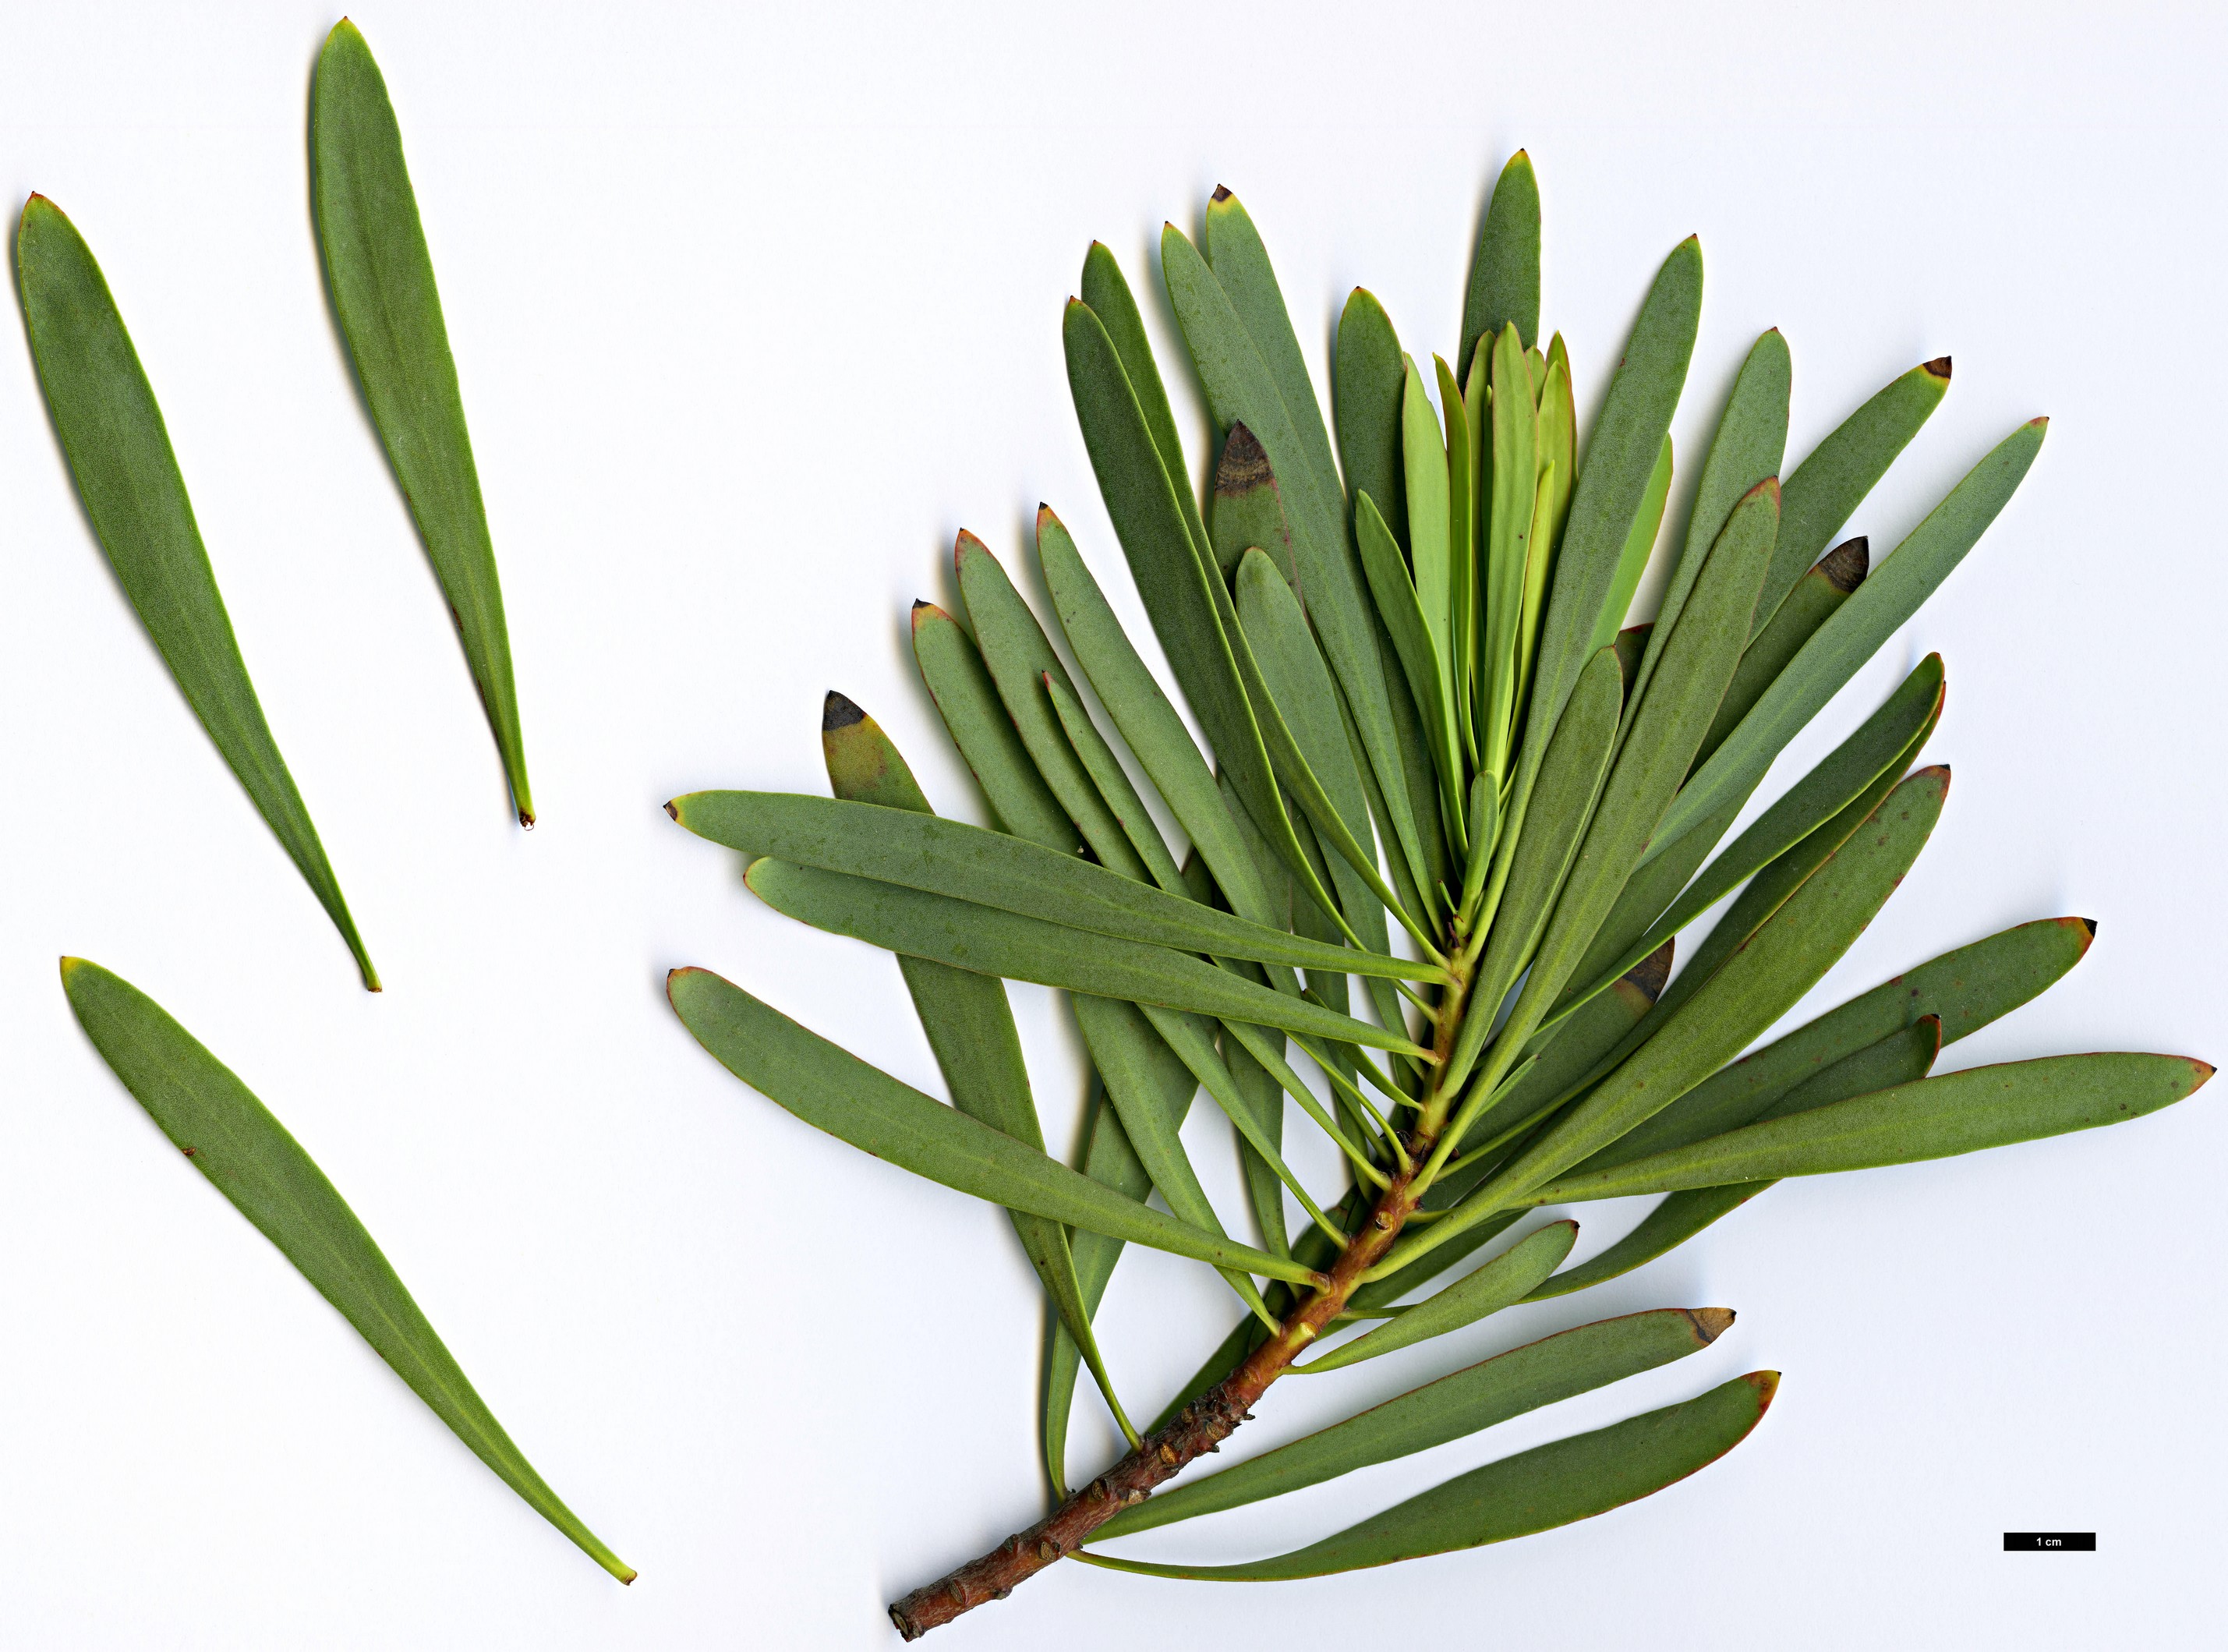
x: 2089, y: 924
x: 526, y: 818
x: 2203, y: 1069
x: 837, y: 712
x: 1710, y: 1323
x: 1938, y: 367
x: 1846, y: 565
x: 1221, y: 194
x: 966, y: 544
x: 673, y: 807
x: 1766, y: 1384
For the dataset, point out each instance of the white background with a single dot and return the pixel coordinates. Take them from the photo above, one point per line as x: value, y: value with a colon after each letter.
x: 754, y: 307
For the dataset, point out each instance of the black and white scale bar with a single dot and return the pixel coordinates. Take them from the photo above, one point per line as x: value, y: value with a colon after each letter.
x: 2049, y: 1542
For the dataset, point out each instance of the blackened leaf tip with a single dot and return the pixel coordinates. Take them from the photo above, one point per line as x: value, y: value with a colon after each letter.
x: 839, y: 712
x: 673, y: 810
x: 1846, y: 564
x: 2089, y: 924
x: 1710, y: 1323
x: 1652, y: 972
x: 1939, y: 366
x: 1245, y: 463
x: 1221, y: 194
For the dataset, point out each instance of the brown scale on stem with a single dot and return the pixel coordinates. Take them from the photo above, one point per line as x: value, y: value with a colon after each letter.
x: 1199, y: 1428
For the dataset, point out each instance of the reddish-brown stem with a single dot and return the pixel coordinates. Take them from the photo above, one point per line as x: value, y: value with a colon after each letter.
x: 1200, y: 1427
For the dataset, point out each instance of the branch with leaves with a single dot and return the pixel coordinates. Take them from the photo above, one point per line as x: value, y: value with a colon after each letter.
x: 1421, y: 715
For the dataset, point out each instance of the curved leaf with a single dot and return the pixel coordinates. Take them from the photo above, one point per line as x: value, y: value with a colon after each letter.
x: 1474, y: 1398
x: 380, y: 277
x: 234, y: 1140
x: 111, y: 432
x: 1533, y: 1491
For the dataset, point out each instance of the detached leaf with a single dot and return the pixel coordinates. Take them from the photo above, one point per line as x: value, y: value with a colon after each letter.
x: 832, y: 1090
x: 113, y: 434
x: 380, y: 277
x: 1474, y: 1398
x: 1535, y: 1490
x: 234, y: 1140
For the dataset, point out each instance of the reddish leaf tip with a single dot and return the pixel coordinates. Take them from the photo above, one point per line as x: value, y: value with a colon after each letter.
x: 1766, y: 1384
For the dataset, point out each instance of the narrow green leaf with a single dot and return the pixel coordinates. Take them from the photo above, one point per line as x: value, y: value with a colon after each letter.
x: 1639, y: 546
x: 1112, y: 782
x: 1367, y: 374
x: 1964, y: 989
x: 1139, y: 1069
x: 111, y: 432
x: 1243, y: 388
x: 1484, y: 1291
x: 1816, y: 597
x: 380, y: 277
x: 968, y: 701
x: 1562, y: 803
x: 1533, y: 1491
x: 1264, y: 1100
x: 1019, y: 659
x: 1750, y: 443
x: 234, y: 1140
x: 1559, y: 449
x: 1889, y: 597
x: 1107, y: 294
x: 1149, y: 725
x: 1467, y: 1402
x: 1933, y: 1118
x: 1241, y: 268
x: 969, y: 1024
x: 1402, y: 616
x: 1827, y: 486
x: 1464, y: 508
x: 992, y: 942
x: 832, y: 1090
x: 1504, y: 273
x: 1510, y: 559
x: 1620, y: 459
x: 1169, y: 566
x: 949, y: 857
x: 1430, y: 552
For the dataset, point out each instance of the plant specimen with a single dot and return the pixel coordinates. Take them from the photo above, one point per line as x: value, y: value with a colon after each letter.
x: 111, y: 432
x: 234, y: 1140
x: 380, y: 277
x: 1404, y: 653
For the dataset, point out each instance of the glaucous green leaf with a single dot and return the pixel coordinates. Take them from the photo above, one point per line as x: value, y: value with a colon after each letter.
x: 968, y: 701
x: 111, y: 432
x: 234, y: 1140
x: 380, y: 277
x: 1367, y: 374
x: 1504, y: 272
